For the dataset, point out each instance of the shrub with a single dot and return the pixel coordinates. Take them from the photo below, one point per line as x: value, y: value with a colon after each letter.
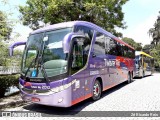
x: 6, y: 82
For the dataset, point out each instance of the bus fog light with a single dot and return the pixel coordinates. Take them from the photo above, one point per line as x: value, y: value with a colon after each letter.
x: 60, y: 100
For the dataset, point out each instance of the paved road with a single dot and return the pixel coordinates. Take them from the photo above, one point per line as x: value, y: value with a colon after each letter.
x: 140, y: 95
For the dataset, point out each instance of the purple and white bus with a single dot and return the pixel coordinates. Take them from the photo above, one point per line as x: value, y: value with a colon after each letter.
x: 66, y: 63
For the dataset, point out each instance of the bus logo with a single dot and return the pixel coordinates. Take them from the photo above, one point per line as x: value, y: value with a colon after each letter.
x: 110, y: 63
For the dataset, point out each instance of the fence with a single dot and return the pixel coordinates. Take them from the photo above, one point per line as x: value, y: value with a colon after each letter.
x: 9, y: 70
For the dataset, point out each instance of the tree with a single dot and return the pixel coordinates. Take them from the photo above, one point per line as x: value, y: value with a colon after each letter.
x: 8, y: 80
x: 5, y: 29
x: 3, y: 54
x: 155, y: 52
x: 155, y: 43
x: 147, y: 48
x: 155, y: 32
x: 130, y: 41
x: 105, y: 13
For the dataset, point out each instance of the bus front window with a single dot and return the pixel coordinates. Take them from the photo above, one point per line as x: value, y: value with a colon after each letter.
x: 54, y: 58
x: 45, y: 50
x: 33, y: 45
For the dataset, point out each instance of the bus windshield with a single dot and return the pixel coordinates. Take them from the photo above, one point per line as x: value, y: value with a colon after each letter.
x: 45, y: 49
x: 138, y: 59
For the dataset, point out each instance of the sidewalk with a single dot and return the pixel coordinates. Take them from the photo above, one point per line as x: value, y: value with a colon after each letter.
x: 11, y: 101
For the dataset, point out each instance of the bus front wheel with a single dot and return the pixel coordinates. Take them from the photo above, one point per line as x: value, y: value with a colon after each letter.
x: 97, y: 90
x: 129, y: 78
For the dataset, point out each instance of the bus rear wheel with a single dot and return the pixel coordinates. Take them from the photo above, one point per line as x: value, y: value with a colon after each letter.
x: 143, y: 74
x: 97, y: 90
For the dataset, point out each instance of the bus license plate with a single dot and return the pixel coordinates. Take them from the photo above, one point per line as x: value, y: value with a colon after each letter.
x: 34, y: 99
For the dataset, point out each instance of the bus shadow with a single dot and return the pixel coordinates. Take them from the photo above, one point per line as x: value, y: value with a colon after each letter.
x: 73, y: 110
x: 143, y: 77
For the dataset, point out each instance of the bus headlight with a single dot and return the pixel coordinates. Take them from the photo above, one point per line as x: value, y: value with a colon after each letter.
x: 55, y: 90
x: 63, y: 87
x: 21, y: 86
x: 60, y: 88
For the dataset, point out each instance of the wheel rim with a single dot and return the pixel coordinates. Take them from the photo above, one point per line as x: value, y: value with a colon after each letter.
x: 96, y: 89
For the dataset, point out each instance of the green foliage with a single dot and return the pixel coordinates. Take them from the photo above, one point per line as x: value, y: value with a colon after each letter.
x: 155, y: 32
x: 16, y: 59
x: 5, y: 28
x: 154, y: 49
x: 155, y: 52
x: 6, y: 82
x: 4, y: 54
x: 105, y: 13
x: 5, y: 60
x: 147, y: 48
x: 130, y: 41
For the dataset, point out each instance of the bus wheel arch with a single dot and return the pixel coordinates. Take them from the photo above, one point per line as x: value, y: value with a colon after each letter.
x: 97, y: 88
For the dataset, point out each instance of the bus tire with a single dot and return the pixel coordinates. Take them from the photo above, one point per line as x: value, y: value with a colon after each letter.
x: 97, y: 90
x: 129, y: 78
x: 143, y: 74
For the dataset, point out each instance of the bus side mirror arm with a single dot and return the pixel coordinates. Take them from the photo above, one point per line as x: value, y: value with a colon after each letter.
x: 11, y: 48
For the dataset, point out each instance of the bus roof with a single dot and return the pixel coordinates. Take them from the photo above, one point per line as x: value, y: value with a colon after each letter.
x: 73, y: 23
x: 143, y: 53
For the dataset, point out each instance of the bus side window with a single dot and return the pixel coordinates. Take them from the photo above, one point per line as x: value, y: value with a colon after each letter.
x: 112, y: 47
x: 80, y: 51
x: 107, y: 40
x: 99, y: 46
x: 120, y: 49
x: 126, y: 54
x: 77, y: 56
x: 88, y: 32
x: 133, y: 54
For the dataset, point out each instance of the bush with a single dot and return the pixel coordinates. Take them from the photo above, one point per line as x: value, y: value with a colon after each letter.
x: 157, y: 69
x: 6, y: 82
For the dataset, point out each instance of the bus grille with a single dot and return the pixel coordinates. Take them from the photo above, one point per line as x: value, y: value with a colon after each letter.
x: 31, y: 91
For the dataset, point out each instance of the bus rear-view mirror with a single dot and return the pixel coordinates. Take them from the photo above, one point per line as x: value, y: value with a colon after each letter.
x: 16, y: 44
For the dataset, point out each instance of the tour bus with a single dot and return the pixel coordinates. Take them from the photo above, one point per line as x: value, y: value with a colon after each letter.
x: 144, y: 64
x: 69, y: 62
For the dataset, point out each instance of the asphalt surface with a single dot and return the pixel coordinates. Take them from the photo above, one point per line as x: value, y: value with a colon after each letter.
x: 143, y: 94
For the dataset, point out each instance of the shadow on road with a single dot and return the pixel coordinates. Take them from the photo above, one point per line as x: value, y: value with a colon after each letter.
x: 143, y: 77
x: 73, y: 110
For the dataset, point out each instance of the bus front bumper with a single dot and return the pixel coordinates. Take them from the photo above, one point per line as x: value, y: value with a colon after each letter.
x: 138, y: 73
x: 59, y: 99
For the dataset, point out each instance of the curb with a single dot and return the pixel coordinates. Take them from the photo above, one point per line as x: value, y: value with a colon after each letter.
x: 13, y: 100
x: 12, y: 104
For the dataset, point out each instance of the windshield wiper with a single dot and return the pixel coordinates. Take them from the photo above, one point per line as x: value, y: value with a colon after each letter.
x: 40, y: 61
x: 44, y: 72
x: 33, y: 61
x: 29, y: 67
x: 42, y: 65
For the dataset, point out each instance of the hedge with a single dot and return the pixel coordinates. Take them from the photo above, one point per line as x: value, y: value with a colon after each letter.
x: 6, y: 82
